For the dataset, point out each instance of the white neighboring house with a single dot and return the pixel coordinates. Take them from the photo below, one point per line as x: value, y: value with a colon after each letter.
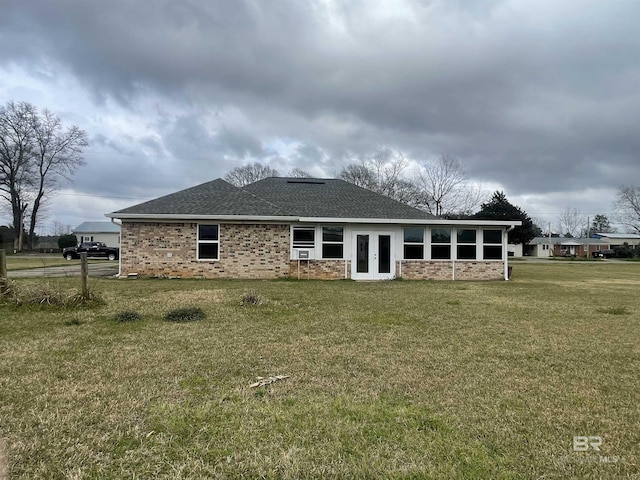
x: 106, y: 232
x: 619, y: 239
x: 514, y: 250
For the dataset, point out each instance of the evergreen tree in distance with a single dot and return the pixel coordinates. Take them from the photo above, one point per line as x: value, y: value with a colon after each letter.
x: 499, y: 208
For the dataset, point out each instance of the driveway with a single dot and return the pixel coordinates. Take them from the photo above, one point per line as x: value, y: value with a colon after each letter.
x: 101, y: 269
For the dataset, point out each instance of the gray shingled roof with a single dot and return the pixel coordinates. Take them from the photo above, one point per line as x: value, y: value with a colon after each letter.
x: 276, y: 196
x: 97, y: 227
x: 330, y: 198
x: 212, y: 198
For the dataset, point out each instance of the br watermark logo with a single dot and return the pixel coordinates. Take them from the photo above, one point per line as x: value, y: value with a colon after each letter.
x: 584, y: 444
x: 591, y: 443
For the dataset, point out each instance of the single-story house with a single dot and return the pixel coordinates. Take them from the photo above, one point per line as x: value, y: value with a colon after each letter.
x: 303, y: 228
x: 619, y: 239
x: 106, y: 232
x: 565, y: 247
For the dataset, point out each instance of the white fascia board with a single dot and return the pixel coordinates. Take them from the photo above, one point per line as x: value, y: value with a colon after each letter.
x: 412, y: 221
x: 266, y: 218
x: 177, y: 218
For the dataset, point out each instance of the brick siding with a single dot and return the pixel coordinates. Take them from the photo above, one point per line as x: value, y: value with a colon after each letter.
x: 169, y: 249
x: 320, y: 269
x: 258, y: 251
x: 443, y: 270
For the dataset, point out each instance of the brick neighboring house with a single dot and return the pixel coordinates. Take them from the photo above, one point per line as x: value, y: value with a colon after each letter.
x: 565, y: 247
x: 304, y: 228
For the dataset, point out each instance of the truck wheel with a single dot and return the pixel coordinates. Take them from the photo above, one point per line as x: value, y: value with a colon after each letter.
x: 112, y: 256
x: 69, y: 256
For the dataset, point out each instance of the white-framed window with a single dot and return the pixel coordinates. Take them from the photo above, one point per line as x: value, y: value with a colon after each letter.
x: 304, y: 237
x: 466, y: 244
x: 492, y: 244
x: 545, y: 246
x: 86, y: 238
x: 333, y: 242
x: 441, y: 243
x: 413, y: 248
x: 208, y: 242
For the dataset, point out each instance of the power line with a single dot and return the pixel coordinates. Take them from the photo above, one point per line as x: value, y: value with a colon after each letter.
x: 99, y: 196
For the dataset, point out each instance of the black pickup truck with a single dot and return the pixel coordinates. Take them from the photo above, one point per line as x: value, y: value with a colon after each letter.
x: 93, y: 249
x: 608, y: 253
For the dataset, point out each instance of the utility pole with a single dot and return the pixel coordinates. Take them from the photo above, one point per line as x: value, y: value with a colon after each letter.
x: 588, y: 220
x: 550, y: 250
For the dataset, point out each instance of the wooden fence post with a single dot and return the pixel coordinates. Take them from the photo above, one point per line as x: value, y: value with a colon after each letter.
x: 84, y: 274
x: 3, y: 263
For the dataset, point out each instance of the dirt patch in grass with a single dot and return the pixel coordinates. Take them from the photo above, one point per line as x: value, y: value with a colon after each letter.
x: 187, y: 297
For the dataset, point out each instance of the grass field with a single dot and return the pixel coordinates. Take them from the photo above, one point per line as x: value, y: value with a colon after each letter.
x: 387, y: 380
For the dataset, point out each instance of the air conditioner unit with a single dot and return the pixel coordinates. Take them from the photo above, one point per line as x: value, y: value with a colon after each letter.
x: 304, y: 253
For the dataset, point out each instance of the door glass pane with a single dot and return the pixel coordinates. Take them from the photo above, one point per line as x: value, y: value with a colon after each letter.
x: 362, y: 261
x: 384, y: 254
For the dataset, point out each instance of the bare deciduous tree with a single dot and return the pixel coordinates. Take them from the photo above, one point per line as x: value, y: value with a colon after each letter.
x: 627, y: 205
x: 57, y: 155
x: 299, y: 173
x: 35, y: 155
x: 572, y: 223
x: 58, y: 228
x: 445, y: 187
x: 360, y: 175
x: 250, y: 173
x: 384, y: 173
x: 16, y: 145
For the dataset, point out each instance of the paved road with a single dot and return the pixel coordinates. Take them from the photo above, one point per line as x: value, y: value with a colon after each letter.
x: 101, y: 269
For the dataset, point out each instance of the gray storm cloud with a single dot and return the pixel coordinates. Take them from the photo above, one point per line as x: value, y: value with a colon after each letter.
x: 536, y: 96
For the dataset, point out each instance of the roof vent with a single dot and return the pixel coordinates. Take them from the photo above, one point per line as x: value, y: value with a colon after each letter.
x: 308, y: 181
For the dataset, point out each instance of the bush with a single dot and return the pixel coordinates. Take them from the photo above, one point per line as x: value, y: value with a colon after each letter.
x: 65, y: 241
x: 128, y: 316
x: 251, y: 298
x: 189, y: 314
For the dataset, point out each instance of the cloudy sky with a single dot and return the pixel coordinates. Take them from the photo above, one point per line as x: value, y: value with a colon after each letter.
x: 538, y: 98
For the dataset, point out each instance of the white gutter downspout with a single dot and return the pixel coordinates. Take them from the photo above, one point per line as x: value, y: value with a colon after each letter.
x: 506, y: 252
x: 113, y: 220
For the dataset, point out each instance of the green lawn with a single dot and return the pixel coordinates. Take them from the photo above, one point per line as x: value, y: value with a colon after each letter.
x: 387, y: 380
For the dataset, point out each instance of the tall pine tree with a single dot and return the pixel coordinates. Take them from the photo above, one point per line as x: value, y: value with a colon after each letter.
x: 499, y: 208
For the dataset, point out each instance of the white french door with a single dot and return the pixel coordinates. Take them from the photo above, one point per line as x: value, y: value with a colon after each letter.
x: 373, y: 256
